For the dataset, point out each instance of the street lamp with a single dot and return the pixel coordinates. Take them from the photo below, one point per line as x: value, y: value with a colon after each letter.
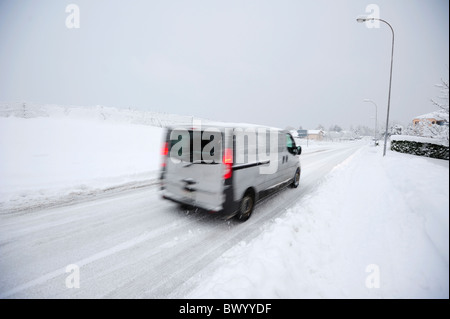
x: 376, y: 116
x: 364, y: 19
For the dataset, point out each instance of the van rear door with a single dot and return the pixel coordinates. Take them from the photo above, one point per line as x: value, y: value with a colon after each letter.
x: 194, y: 170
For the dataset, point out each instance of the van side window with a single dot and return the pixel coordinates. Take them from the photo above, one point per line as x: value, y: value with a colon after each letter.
x: 290, y: 144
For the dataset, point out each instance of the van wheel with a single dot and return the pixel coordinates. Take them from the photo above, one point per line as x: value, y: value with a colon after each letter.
x: 246, y: 206
x: 296, y: 179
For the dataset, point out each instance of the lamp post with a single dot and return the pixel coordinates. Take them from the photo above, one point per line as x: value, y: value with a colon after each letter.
x: 376, y: 116
x: 364, y: 19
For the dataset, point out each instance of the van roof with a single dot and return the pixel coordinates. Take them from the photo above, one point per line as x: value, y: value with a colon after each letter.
x: 222, y: 125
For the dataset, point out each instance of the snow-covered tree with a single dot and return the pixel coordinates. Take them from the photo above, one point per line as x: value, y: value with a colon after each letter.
x: 335, y: 128
x: 363, y: 131
x: 396, y: 129
x: 440, y: 129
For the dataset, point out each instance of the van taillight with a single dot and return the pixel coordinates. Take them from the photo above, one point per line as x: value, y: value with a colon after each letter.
x: 164, y: 152
x: 228, y: 162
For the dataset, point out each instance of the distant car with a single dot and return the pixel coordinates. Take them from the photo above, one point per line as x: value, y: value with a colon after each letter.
x: 227, y: 168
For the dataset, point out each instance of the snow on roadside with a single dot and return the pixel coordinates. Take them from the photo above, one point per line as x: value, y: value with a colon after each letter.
x: 378, y: 227
x: 47, y: 158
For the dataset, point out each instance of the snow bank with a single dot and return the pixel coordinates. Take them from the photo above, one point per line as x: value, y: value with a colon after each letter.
x: 45, y: 158
x: 377, y: 228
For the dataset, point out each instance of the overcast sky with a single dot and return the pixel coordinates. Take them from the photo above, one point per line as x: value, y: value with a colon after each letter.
x: 280, y: 63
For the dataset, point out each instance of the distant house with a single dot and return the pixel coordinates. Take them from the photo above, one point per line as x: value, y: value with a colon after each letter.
x: 433, y: 118
x: 316, y: 135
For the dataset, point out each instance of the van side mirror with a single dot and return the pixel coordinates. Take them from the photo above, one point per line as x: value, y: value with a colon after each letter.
x: 299, y: 150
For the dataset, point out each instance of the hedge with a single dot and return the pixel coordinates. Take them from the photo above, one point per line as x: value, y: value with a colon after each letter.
x: 420, y: 149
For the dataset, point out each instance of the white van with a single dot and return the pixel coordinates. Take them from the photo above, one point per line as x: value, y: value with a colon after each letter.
x: 227, y: 168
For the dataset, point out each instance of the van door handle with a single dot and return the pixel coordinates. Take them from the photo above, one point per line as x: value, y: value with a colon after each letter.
x: 190, y: 188
x: 189, y: 181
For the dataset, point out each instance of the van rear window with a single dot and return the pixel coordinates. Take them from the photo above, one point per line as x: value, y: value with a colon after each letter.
x: 197, y: 147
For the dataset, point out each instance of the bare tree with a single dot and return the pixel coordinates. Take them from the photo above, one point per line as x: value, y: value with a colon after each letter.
x: 444, y: 96
x: 320, y: 127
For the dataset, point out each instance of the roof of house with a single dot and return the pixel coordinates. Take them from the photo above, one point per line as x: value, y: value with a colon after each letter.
x: 315, y: 132
x: 437, y: 115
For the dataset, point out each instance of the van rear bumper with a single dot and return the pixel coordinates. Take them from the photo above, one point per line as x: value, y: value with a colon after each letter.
x: 227, y: 211
x: 187, y: 201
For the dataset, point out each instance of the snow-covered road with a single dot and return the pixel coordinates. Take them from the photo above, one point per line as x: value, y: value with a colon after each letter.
x: 132, y: 244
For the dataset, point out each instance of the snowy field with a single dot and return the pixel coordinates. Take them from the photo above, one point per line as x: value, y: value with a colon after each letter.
x: 372, y: 227
x: 52, y: 159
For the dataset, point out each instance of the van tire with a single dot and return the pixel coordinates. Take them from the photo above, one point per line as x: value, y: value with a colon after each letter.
x: 246, y: 206
x: 296, y: 179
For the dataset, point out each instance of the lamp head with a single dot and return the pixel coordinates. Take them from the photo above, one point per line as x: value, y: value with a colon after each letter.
x: 361, y: 19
